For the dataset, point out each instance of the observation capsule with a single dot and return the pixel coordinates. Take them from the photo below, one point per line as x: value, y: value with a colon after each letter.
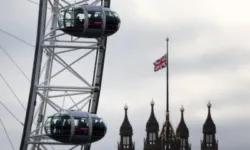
x: 75, y: 127
x: 89, y: 21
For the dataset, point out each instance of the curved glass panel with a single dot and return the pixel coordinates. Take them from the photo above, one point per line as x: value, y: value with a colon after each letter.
x: 59, y: 127
x: 68, y: 18
x: 48, y: 126
x: 66, y: 126
x: 95, y: 20
x: 81, y: 126
x: 99, y: 128
x: 108, y: 13
x: 56, y: 122
x: 71, y: 21
x: 61, y: 19
x: 115, y: 14
x: 80, y: 18
x: 112, y: 22
x: 71, y: 18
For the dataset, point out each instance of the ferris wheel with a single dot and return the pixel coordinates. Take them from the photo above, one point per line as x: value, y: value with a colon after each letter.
x: 67, y: 74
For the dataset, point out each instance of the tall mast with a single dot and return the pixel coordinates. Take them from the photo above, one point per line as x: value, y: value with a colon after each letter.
x: 167, y: 96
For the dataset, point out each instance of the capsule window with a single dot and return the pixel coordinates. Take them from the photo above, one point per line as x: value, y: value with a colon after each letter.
x: 66, y: 122
x: 76, y: 121
x: 61, y: 20
x: 56, y: 119
x: 48, y: 124
x: 69, y: 18
x: 108, y: 13
x: 83, y: 123
x: 80, y: 16
x: 97, y: 14
x: 115, y: 14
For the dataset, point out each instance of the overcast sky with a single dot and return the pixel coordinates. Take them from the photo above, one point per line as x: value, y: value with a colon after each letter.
x: 208, y: 60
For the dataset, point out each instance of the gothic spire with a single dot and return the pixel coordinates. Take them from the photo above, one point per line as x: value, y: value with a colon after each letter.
x: 182, y: 130
x: 126, y: 128
x: 209, y: 126
x: 152, y: 124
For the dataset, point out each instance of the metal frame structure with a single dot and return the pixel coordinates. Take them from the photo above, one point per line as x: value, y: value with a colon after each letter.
x: 53, y: 43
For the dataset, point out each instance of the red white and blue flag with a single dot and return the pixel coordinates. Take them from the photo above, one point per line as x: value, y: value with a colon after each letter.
x: 160, y: 63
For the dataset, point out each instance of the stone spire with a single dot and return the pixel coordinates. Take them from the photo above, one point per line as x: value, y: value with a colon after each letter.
x: 182, y: 130
x: 126, y: 128
x: 152, y: 124
x: 209, y: 126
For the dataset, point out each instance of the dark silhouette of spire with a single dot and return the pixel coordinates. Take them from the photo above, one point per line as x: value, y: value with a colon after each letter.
x: 209, y: 126
x: 126, y: 132
x: 152, y: 124
x: 126, y: 128
x: 182, y: 129
x: 182, y: 133
x: 209, y: 141
x: 152, y: 141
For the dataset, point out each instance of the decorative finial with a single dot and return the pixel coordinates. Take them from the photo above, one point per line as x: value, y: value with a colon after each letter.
x: 167, y: 39
x: 126, y: 106
x: 152, y: 102
x: 209, y: 105
x: 182, y: 108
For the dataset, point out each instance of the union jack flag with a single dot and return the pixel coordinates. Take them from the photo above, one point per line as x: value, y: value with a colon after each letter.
x: 160, y: 63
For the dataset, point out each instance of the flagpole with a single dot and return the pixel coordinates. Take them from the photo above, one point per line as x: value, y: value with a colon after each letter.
x: 167, y: 97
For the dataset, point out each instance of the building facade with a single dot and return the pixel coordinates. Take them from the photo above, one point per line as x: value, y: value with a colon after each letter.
x: 178, y: 140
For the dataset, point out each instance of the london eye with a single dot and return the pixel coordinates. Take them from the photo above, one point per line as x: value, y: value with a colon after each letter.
x: 62, y: 107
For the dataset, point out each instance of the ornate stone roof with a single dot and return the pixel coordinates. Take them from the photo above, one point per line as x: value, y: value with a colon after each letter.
x: 182, y: 130
x: 209, y: 126
x: 126, y: 128
x: 152, y: 124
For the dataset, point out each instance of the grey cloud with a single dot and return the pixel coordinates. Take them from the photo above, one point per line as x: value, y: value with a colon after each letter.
x: 229, y: 59
x: 135, y: 51
x: 235, y: 97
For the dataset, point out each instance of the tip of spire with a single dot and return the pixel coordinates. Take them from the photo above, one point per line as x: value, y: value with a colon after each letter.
x: 182, y: 108
x: 167, y: 39
x: 152, y: 102
x: 126, y: 106
x: 209, y: 105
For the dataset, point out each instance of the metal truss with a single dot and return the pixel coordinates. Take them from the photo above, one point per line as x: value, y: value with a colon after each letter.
x: 61, y: 79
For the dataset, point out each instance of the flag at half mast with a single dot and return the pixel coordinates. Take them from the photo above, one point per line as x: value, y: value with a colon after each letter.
x: 160, y: 63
